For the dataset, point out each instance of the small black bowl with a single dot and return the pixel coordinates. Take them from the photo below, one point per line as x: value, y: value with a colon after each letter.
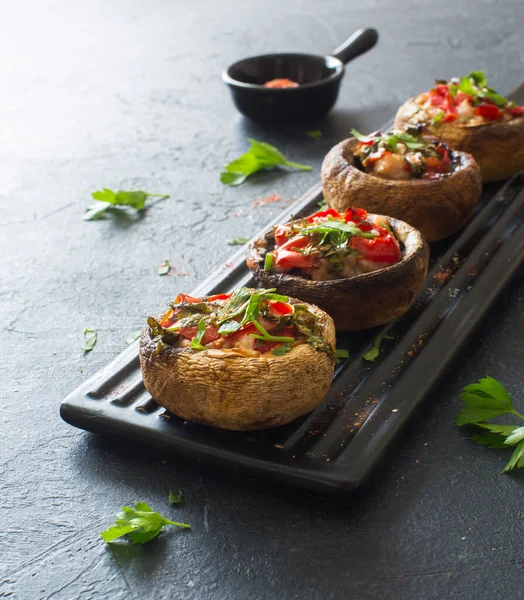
x: 318, y: 78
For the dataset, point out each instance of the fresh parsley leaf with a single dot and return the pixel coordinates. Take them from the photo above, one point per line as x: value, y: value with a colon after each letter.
x: 488, y: 399
x: 90, y: 336
x: 372, y: 354
x: 478, y: 77
x: 239, y: 241
x: 108, y: 198
x: 315, y: 134
x: 517, y: 458
x: 360, y: 137
x: 342, y: 353
x: 438, y: 117
x: 133, y: 337
x: 260, y: 156
x: 229, y: 327
x: 196, y: 342
x: 175, y: 499
x: 164, y: 268
x: 141, y: 524
x: 281, y: 350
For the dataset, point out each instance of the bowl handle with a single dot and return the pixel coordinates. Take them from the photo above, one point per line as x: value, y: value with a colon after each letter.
x: 361, y: 41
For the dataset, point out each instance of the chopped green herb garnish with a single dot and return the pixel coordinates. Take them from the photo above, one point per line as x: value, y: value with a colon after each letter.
x: 133, y: 337
x: 485, y: 400
x: 342, y: 353
x: 196, y: 342
x: 90, y: 336
x: 164, y: 268
x: 141, y: 524
x: 108, y: 199
x: 175, y: 499
x: 268, y: 262
x: 372, y: 354
x: 438, y: 117
x: 315, y: 134
x: 239, y: 241
x: 260, y: 156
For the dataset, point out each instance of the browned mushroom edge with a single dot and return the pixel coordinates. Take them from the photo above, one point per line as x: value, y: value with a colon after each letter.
x: 437, y: 207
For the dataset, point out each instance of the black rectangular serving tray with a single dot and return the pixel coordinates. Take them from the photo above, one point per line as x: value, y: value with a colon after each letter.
x: 336, y: 447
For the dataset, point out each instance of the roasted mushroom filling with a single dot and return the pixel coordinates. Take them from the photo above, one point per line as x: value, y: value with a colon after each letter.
x: 401, y: 156
x: 249, y: 320
x: 468, y: 101
x: 328, y: 245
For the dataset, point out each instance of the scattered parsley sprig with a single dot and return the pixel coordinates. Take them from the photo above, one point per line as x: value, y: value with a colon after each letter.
x: 141, y: 524
x: 108, y: 199
x: 486, y: 400
x: 260, y: 156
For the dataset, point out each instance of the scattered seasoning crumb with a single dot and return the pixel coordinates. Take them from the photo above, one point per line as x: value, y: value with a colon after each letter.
x: 463, y: 538
x: 267, y: 200
x: 279, y: 446
x: 443, y: 275
x: 453, y: 292
x: 395, y: 410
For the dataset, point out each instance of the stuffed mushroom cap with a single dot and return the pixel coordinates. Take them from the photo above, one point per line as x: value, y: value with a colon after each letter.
x: 436, y: 207
x: 361, y: 302
x: 240, y: 389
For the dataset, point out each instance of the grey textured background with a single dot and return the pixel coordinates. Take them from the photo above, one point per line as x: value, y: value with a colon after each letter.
x: 127, y: 94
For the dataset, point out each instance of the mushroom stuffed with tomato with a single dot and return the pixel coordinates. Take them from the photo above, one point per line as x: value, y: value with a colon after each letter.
x: 251, y: 359
x: 417, y: 179
x: 471, y: 117
x: 362, y: 269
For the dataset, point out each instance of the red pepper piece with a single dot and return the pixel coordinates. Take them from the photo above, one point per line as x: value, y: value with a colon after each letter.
x: 279, y: 308
x: 211, y: 334
x: 288, y: 259
x: 516, y: 111
x: 382, y: 249
x: 324, y: 214
x: 181, y: 298
x: 489, y: 111
x: 282, y: 233
x: 219, y: 297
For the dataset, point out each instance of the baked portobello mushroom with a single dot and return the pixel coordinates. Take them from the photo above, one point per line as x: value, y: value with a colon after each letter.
x: 363, y: 270
x: 252, y: 359
x: 419, y: 180
x: 473, y: 118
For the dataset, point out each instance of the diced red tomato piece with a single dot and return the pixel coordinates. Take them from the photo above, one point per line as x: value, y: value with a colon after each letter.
x: 220, y: 297
x: 282, y: 233
x: 365, y: 226
x: 450, y: 117
x: 516, y: 111
x: 355, y: 214
x: 299, y: 241
x: 381, y: 249
x: 489, y: 111
x: 181, y: 298
x: 289, y: 259
x: 461, y: 96
x: 279, y: 308
x: 246, y: 330
x: 211, y: 334
x: 323, y: 215
x: 432, y: 162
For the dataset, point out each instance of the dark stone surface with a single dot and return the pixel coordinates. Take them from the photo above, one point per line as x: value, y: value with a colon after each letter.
x: 128, y: 95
